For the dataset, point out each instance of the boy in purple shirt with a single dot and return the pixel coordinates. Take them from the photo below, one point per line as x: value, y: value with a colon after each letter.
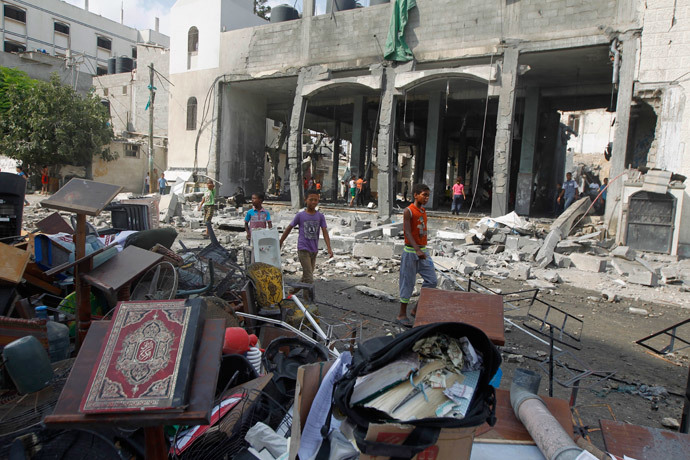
x: 309, y: 222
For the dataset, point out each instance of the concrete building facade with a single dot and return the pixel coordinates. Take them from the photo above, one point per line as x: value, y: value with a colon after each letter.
x: 67, y: 31
x: 482, y: 99
x: 128, y: 97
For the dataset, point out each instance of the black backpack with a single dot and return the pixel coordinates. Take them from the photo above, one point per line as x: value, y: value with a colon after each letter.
x: 377, y: 352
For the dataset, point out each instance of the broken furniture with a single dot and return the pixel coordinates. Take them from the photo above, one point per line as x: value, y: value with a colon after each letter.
x: 643, y: 443
x: 53, y: 224
x: 484, y: 311
x: 82, y: 197
x: 115, y: 276
x: 201, y: 395
x: 13, y: 263
x: 12, y: 192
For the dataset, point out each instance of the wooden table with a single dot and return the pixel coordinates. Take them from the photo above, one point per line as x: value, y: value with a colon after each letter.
x: 509, y: 428
x: 484, y: 311
x: 122, y: 269
x: 643, y: 443
x: 201, y: 395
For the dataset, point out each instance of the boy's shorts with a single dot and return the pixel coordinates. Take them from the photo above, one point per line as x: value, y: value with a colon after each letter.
x: 353, y: 191
x: 208, y: 213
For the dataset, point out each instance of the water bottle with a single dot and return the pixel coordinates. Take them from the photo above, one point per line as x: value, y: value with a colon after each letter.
x: 41, y: 312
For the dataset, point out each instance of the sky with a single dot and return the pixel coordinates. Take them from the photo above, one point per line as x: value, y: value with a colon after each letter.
x: 141, y: 14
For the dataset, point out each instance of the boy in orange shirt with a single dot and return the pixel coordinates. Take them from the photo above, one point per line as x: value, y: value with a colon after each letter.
x: 415, y: 258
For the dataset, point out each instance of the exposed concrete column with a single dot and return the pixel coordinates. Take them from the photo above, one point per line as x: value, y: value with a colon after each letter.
x: 626, y: 81
x: 504, y: 132
x: 525, y: 178
x: 335, y: 184
x: 359, y: 138
x: 294, y: 150
x: 384, y: 144
x: 308, y: 8
x: 432, y: 157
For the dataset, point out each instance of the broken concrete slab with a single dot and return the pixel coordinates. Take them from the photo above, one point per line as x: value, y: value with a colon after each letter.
x: 393, y: 229
x: 670, y: 275
x: 567, y: 247
x: 638, y: 311
x: 444, y: 263
x: 342, y: 243
x: 369, y: 250
x: 368, y: 233
x: 541, y: 284
x: 623, y: 267
x: 624, y: 252
x: 446, y: 235
x: 567, y: 219
x: 643, y: 277
x: 588, y: 263
x: 551, y: 276
x: 545, y: 254
x: 498, y: 238
x: 379, y: 294
x: 561, y: 261
x: 475, y: 259
x: 167, y: 207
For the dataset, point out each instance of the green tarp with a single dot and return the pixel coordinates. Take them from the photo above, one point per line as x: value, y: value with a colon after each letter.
x: 396, y: 48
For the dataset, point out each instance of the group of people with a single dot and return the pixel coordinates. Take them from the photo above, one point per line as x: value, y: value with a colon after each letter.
x: 569, y: 192
x: 356, y: 191
x: 162, y: 183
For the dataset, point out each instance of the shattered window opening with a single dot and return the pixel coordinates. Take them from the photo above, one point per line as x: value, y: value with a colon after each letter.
x: 191, y: 114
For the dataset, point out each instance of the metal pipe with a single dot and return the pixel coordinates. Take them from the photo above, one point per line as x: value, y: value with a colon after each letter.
x: 309, y: 317
x: 547, y: 433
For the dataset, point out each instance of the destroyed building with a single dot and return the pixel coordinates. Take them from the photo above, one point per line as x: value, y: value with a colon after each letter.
x: 481, y: 99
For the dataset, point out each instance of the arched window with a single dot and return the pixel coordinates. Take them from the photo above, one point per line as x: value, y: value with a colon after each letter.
x: 191, y: 114
x: 193, y: 40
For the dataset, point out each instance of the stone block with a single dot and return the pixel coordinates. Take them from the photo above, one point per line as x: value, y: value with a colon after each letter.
x: 588, y: 263
x: 643, y: 277
x: 368, y: 233
x: 498, y: 238
x: 624, y: 252
x: 370, y: 250
x: 359, y: 225
x: 476, y: 259
x: 393, y: 229
x: 446, y: 235
x: 545, y: 254
x: 512, y: 243
x: 561, y: 261
x: 670, y: 275
x: 342, y: 243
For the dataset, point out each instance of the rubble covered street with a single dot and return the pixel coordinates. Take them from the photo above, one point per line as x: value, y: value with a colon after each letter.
x: 620, y: 295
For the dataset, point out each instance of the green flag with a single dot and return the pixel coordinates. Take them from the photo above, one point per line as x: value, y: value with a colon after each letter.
x: 396, y: 48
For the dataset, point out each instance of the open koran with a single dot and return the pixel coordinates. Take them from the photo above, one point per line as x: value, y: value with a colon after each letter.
x: 147, y: 358
x: 373, y: 384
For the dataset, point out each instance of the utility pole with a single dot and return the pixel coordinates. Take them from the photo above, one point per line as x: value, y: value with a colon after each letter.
x: 152, y: 96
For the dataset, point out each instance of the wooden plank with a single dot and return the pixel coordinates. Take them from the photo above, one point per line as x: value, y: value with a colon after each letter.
x: 31, y: 279
x: 66, y: 413
x: 12, y: 263
x: 643, y: 443
x: 122, y: 268
x: 508, y: 427
x: 484, y: 311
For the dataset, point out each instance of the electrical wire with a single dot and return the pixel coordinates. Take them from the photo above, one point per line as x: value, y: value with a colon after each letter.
x: 481, y: 145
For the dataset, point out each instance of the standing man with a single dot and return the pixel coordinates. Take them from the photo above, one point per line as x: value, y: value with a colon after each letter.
x: 22, y: 174
x: 353, y: 190
x: 208, y: 203
x: 147, y: 183
x: 162, y: 185
x: 45, y: 177
x: 360, y: 189
x: 569, y: 192
x: 458, y: 196
x: 415, y: 257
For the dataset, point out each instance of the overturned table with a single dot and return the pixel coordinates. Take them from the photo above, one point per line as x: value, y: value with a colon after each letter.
x: 483, y: 311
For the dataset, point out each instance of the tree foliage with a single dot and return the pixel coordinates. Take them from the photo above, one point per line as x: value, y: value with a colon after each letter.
x: 49, y: 123
x: 262, y: 9
x: 15, y: 79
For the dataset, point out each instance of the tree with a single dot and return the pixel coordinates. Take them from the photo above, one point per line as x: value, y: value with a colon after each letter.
x: 261, y: 9
x: 48, y: 123
x: 15, y: 79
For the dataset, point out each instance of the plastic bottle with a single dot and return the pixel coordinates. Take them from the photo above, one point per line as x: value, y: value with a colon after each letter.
x: 58, y: 341
x: 41, y: 312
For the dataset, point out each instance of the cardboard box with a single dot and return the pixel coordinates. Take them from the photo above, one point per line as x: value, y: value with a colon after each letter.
x: 455, y: 443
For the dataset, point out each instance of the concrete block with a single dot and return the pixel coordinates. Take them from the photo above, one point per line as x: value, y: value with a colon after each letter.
x: 624, y: 252
x: 561, y: 261
x: 369, y: 250
x: 393, y: 229
x: 643, y: 277
x: 624, y: 267
x: 446, y: 235
x: 512, y: 243
x: 670, y: 275
x: 359, y: 225
x: 398, y: 248
x: 566, y: 220
x: 342, y: 243
x: 551, y: 276
x: 588, y: 263
x: 545, y: 254
x: 167, y: 207
x: 520, y: 272
x: 368, y: 233
x: 498, y: 238
x: 444, y: 263
x: 465, y: 268
x: 476, y: 259
x: 194, y: 224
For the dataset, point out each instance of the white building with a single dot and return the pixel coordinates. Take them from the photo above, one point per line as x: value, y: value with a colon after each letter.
x: 63, y: 30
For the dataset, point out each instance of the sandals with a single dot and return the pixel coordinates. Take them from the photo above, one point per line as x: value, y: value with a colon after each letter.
x: 405, y: 322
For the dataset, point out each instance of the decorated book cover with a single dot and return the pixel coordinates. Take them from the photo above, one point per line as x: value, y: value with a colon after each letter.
x: 146, y: 360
